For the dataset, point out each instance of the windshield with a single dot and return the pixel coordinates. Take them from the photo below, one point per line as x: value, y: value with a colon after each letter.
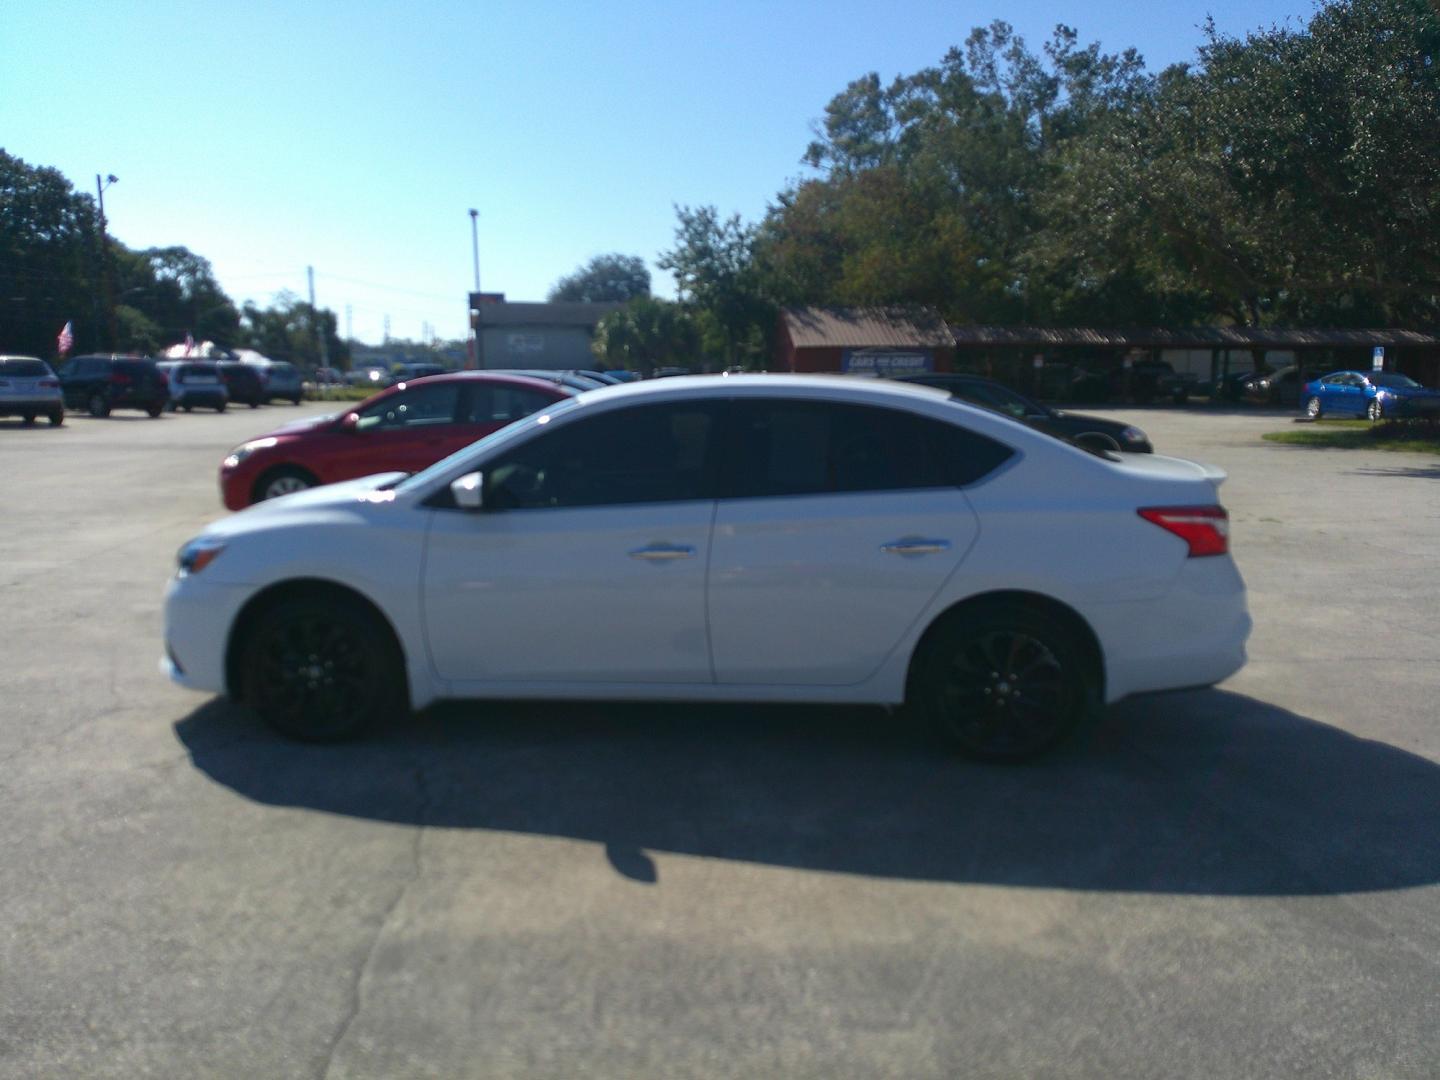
x: 485, y: 445
x: 1400, y: 382
x: 23, y: 368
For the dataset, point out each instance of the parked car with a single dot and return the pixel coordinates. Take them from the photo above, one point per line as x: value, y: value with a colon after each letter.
x: 371, y: 376
x: 279, y: 380
x: 1278, y: 387
x: 1378, y: 395
x: 406, y: 427
x: 243, y: 383
x: 1142, y: 382
x: 329, y: 376
x: 1091, y: 432
x: 100, y: 384
x: 195, y: 384
x: 411, y: 372
x: 28, y: 388
x: 753, y: 538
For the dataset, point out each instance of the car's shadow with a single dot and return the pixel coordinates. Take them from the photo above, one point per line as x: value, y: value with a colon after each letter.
x: 1204, y: 793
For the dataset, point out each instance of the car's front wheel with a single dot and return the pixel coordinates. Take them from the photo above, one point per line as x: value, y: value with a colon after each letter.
x: 285, y: 480
x: 99, y: 408
x: 57, y: 418
x: 27, y: 418
x: 322, y: 669
x: 1001, y: 682
x: 1375, y: 411
x: 1313, y: 409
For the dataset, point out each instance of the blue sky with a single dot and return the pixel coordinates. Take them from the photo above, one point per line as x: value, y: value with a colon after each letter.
x: 269, y: 136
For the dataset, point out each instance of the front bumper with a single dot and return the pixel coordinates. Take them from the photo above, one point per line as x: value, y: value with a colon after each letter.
x: 198, y: 618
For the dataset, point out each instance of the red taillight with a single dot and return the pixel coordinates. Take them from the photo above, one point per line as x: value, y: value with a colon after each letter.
x: 1205, y: 528
x: 119, y: 379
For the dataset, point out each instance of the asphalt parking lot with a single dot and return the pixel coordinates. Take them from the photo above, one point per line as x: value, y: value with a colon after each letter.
x: 1236, y: 882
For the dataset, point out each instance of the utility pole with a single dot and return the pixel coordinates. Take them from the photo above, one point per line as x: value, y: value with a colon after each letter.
x: 387, y: 329
x: 315, y: 320
x: 108, y: 281
x: 349, y: 310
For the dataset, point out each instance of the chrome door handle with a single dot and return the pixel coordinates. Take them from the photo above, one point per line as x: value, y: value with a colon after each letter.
x: 663, y: 552
x: 914, y: 545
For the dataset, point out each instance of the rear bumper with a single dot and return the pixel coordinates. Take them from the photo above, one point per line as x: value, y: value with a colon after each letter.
x: 1194, y: 635
x: 12, y: 406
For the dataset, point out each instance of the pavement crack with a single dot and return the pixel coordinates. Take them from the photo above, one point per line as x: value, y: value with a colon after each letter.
x: 357, y: 985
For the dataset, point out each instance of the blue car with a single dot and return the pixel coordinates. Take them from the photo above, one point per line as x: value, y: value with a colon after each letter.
x: 1375, y: 394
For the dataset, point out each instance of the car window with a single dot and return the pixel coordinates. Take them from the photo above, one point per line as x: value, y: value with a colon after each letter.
x: 21, y: 368
x: 503, y: 404
x: 416, y: 407
x: 806, y: 448
x: 642, y: 454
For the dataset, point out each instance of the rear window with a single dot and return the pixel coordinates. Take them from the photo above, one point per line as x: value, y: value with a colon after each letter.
x: 22, y: 368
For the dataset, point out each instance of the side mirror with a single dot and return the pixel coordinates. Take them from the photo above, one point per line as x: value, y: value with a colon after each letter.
x: 350, y: 423
x: 469, y: 491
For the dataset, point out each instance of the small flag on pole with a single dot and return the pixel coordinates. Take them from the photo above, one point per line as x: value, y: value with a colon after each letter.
x: 189, y: 343
x: 66, y: 341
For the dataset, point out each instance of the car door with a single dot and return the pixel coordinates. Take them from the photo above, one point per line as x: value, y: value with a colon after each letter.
x: 405, y: 431
x: 587, y: 565
x: 839, y: 524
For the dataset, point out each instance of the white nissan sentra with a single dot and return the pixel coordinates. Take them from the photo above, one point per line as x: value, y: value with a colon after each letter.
x: 755, y: 538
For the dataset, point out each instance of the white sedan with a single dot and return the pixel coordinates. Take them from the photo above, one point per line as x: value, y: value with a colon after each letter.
x: 751, y: 538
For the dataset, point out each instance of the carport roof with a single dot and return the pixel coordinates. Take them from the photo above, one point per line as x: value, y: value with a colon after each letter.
x: 1199, y: 337
x: 866, y: 327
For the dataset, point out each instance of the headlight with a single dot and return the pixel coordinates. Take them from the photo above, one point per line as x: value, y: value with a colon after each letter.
x: 1133, y: 435
x: 241, y: 452
x: 196, y: 555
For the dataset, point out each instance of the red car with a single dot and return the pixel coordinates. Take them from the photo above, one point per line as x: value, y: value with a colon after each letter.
x: 404, y: 428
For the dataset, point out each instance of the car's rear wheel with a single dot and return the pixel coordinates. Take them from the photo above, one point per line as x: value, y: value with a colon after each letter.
x: 57, y: 418
x: 285, y: 480
x: 322, y: 669
x: 98, y: 407
x: 1002, y: 682
x: 220, y: 407
x: 1313, y: 409
x: 1375, y: 411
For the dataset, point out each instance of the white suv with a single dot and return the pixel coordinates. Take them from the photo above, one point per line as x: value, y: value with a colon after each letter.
x: 28, y: 388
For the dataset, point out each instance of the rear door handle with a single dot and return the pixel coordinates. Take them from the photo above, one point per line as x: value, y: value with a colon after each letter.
x: 915, y: 545
x: 663, y: 552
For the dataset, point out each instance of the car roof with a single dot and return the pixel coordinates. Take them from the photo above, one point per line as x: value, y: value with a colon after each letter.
x: 526, y: 381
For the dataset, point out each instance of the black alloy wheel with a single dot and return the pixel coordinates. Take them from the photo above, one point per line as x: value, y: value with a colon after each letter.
x: 321, y: 669
x: 1003, y: 683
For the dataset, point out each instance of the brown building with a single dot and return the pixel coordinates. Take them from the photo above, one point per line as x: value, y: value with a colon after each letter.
x: 886, y: 341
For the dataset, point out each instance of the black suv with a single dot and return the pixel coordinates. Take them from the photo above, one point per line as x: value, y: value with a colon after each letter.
x: 244, y: 383
x: 98, y: 384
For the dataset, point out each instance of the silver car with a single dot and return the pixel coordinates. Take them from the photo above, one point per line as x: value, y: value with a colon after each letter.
x: 28, y: 388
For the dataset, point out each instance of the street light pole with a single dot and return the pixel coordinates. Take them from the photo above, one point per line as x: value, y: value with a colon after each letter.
x: 107, y: 281
x: 475, y: 326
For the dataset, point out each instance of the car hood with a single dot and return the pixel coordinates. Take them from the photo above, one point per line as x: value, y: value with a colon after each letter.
x: 313, y: 504
x: 301, y: 426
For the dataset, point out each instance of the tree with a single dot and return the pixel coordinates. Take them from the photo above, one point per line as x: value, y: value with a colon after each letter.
x: 49, y: 260
x: 605, y: 277
x: 645, y: 334
x: 715, y: 276
x: 286, y: 331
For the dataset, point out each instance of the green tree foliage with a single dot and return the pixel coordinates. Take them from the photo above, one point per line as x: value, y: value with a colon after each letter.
x: 286, y: 331
x: 1287, y: 176
x: 605, y: 277
x: 49, y: 260
x: 716, y: 277
x: 645, y: 334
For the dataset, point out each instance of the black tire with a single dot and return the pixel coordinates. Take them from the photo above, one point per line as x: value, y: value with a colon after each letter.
x: 322, y: 669
x: 27, y: 418
x: 294, y: 401
x: 254, y: 404
x: 220, y: 407
x: 57, y: 418
x: 98, y: 407
x: 1375, y: 411
x: 154, y: 411
x: 1002, y: 682
x: 282, y: 480
x: 188, y: 408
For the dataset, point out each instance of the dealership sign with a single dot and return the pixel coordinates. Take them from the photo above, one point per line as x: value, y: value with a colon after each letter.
x: 888, y: 361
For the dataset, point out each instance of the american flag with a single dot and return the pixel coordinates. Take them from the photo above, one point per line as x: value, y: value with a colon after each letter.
x: 66, y: 341
x: 189, y: 343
